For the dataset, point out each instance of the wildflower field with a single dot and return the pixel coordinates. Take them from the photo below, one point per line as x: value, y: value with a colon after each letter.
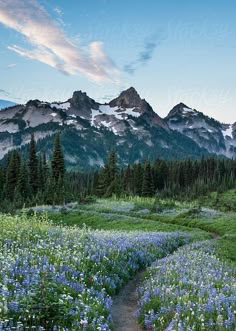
x: 60, y: 278
x: 189, y: 290
x: 63, y: 274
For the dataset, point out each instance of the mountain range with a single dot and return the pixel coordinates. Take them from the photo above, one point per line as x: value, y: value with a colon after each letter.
x: 128, y: 124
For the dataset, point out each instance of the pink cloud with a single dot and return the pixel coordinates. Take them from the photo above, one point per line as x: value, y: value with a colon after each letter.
x: 50, y: 43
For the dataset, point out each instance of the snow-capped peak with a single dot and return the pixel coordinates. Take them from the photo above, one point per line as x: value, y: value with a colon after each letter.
x: 182, y: 110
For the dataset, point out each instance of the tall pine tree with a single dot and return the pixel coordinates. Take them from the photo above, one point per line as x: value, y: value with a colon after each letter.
x: 1, y: 182
x: 33, y: 166
x: 22, y: 183
x: 112, y: 164
x: 12, y: 174
x: 58, y: 163
x: 147, y: 189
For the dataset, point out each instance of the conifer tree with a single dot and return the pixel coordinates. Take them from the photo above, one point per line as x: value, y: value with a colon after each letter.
x: 104, y: 181
x: 147, y: 189
x: 128, y: 180
x: 60, y: 191
x: 138, y: 179
x: 12, y: 174
x: 41, y: 174
x: 50, y: 190
x: 160, y: 174
x: 95, y: 182
x: 33, y: 166
x: 22, y: 183
x: 58, y: 164
x: 1, y: 182
x: 46, y: 172
x: 112, y: 164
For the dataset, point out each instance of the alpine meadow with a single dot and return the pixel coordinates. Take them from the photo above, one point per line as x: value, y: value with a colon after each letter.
x: 117, y: 165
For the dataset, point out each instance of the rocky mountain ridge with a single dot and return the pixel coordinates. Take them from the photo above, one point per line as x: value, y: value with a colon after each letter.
x: 127, y: 123
x: 216, y: 137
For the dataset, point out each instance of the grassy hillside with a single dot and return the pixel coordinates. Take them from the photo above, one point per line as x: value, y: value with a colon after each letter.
x: 150, y: 214
x: 51, y: 264
x: 122, y: 222
x: 62, y: 278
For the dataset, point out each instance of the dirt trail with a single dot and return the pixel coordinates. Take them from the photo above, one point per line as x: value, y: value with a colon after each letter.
x: 125, y: 305
x: 215, y: 235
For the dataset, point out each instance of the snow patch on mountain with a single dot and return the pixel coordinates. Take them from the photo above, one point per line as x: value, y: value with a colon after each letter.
x: 208, y: 133
x: 106, y: 109
x: 130, y: 118
x: 10, y: 127
x: 116, y: 112
x: 131, y: 112
x: 189, y: 111
x: 63, y: 105
x: 106, y: 124
x: 70, y: 122
x: 228, y: 132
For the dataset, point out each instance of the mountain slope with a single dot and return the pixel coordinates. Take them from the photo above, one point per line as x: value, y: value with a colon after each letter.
x: 90, y: 130
x: 210, y: 134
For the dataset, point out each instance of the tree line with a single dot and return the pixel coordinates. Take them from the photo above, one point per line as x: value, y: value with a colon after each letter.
x: 174, y: 179
x: 35, y: 180
x: 32, y: 180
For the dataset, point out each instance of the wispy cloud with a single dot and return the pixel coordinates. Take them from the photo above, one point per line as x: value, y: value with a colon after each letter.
x: 11, y: 65
x: 145, y: 55
x: 59, y: 14
x: 50, y: 43
x: 58, y: 10
x: 4, y: 92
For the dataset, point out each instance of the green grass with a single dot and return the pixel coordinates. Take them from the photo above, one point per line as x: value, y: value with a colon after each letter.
x: 221, y: 225
x: 226, y: 248
x: 101, y: 221
x: 225, y: 201
x: 126, y: 215
x: 148, y: 203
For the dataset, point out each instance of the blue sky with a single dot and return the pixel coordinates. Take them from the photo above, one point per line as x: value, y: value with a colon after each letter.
x: 170, y: 51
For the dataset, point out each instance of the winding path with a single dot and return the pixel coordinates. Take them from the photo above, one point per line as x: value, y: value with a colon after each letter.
x: 125, y: 305
x: 125, y: 302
